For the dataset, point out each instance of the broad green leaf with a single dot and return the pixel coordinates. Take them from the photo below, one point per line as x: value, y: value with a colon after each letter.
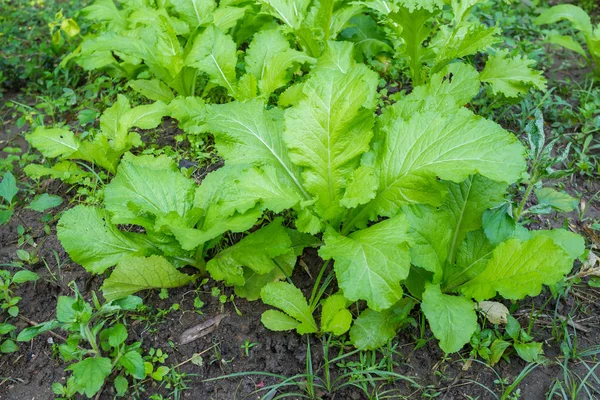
x: 256, y: 251
x: 93, y: 241
x: 133, y: 363
x: 121, y: 385
x: 367, y: 36
x: 576, y: 15
x: 572, y: 243
x: 107, y: 12
x: 194, y: 12
x: 5, y: 216
x: 246, y: 133
x: 430, y: 145
x: 290, y: 299
x: 25, y: 276
x: 33, y: 331
x: 133, y: 274
x: 530, y: 352
x: 190, y: 112
x: 466, y: 39
x: 452, y: 318
x: 511, y: 76
x: 432, y: 232
x: 45, y: 202
x: 146, y: 189
x: 214, y: 53
x: 90, y: 374
x: 115, y: 335
x: 472, y: 257
x: 65, y: 311
x: 451, y: 88
x: 370, y: 263
x: 8, y: 187
x: 328, y: 131
x: 152, y: 89
x: 335, y: 318
x: 559, y: 201
x: 372, y: 330
x: 516, y: 269
x: 6, y: 328
x: 66, y: 171
x: 361, y: 188
x: 566, y: 41
x: 226, y: 18
x: 110, y: 123
x: 9, y: 346
x: 53, y: 142
x: 499, y: 224
x: 254, y: 282
x: 290, y: 12
x: 278, y: 321
x: 145, y: 116
x: 269, y: 58
x: 497, y: 349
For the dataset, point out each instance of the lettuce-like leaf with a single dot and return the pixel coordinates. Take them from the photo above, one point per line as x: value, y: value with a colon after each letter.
x: 511, y: 76
x: 370, y: 263
x: 133, y: 274
x: 290, y: 299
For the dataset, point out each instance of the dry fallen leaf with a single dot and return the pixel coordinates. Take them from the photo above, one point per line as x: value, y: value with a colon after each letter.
x: 495, y: 312
x: 201, y: 330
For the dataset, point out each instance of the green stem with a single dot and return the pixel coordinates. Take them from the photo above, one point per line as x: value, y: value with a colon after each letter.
x: 519, y: 211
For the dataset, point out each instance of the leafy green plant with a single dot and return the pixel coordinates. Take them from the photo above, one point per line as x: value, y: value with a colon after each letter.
x: 9, y: 303
x: 8, y: 191
x: 581, y: 22
x: 96, y: 346
x: 404, y: 198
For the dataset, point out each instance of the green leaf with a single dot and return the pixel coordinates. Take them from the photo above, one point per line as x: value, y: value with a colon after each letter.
x: 194, y: 12
x: 572, y: 243
x: 5, y: 216
x: 560, y: 201
x: 370, y: 263
x: 93, y: 241
x: 25, y: 276
x: 576, y: 15
x: 8, y: 187
x: 44, y: 202
x: 328, y: 131
x: 568, y: 42
x: 64, y: 309
x: 5, y: 328
x: 133, y: 363
x: 146, y: 189
x: 367, y: 36
x: 530, y: 352
x: 372, y: 330
x: 498, y: 348
x: 66, y: 171
x: 121, y: 385
x: 214, y: 53
x: 516, y: 269
x: 246, y: 133
x: 90, y: 374
x: 291, y: 300
x: 256, y: 251
x: 53, y: 142
x: 499, y: 224
x: 254, y: 282
x: 31, y: 332
x: 277, y: 321
x: 269, y: 58
x: 290, y: 12
x: 115, y: 335
x: 133, y: 274
x: 431, y: 145
x: 472, y: 257
x: 452, y: 318
x: 511, y: 76
x: 152, y: 89
x: 335, y: 318
x: 9, y: 346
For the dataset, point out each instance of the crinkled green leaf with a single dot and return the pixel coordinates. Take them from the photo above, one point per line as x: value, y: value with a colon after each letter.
x: 133, y: 274
x: 290, y: 299
x: 511, y: 76
x: 93, y: 241
x: 516, y: 269
x: 147, y: 188
x: 214, y: 53
x: 256, y: 252
x: 468, y: 38
x: 370, y: 263
x: 269, y: 58
x: 452, y: 318
x: 328, y: 131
